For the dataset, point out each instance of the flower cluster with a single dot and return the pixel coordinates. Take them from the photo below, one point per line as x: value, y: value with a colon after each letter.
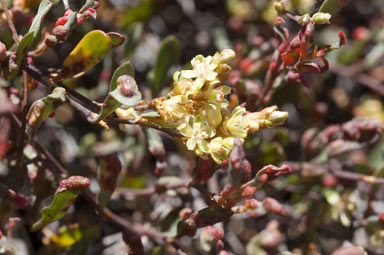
x: 197, y: 107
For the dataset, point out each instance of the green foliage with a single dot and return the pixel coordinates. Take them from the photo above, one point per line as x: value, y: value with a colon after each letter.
x: 168, y: 55
x: 92, y: 48
x: 332, y: 6
x: 63, y: 199
x: 142, y: 12
x: 44, y: 8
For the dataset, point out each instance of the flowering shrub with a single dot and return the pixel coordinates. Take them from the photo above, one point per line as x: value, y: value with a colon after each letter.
x: 123, y: 143
x: 197, y: 107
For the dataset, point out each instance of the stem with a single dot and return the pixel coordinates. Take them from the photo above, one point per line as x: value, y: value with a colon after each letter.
x: 133, y: 229
x: 39, y: 76
x: 10, y: 22
x: 270, y: 78
x: 48, y: 156
x: 354, y: 71
x: 154, y: 190
x: 337, y: 171
x: 20, y: 157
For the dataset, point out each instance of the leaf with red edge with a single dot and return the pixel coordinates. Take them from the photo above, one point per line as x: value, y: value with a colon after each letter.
x: 314, y: 67
x: 291, y: 57
x: 65, y: 196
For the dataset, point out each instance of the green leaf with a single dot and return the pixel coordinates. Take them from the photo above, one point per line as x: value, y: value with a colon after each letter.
x: 117, y: 39
x: 44, y: 7
x: 21, y: 51
x: 141, y: 12
x: 134, y: 34
x: 126, y: 100
x: 332, y: 6
x: 65, y: 196
x: 124, y: 69
x: 114, y: 98
x: 42, y: 108
x: 88, y: 52
x: 168, y: 55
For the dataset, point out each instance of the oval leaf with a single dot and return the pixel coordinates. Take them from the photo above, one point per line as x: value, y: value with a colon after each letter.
x: 65, y: 196
x: 168, y: 55
x: 88, y: 52
x: 21, y: 51
x: 332, y: 6
x: 110, y: 103
x: 117, y: 39
x: 44, y: 8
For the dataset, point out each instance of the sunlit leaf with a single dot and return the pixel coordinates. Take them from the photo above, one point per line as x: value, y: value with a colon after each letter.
x: 88, y: 52
x: 115, y: 99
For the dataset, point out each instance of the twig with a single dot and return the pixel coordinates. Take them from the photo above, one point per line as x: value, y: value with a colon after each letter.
x: 48, y: 156
x: 35, y: 73
x: 354, y: 71
x: 169, y: 131
x: 351, y: 176
x: 10, y: 22
x: 134, y: 229
x: 157, y: 189
x: 85, y: 105
x: 336, y: 171
x: 20, y: 157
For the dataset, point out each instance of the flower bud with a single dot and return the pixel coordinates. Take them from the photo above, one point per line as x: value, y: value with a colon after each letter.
x: 50, y: 41
x: 320, y: 18
x: 185, y: 213
x: 61, y: 21
x: 279, y: 7
x: 3, y: 49
x: 127, y: 85
x: 74, y: 182
x: 304, y: 20
x: 360, y: 33
x: 273, y: 206
x: 227, y: 55
x: 210, y: 236
x: 96, y: 4
x: 267, y: 118
x: 60, y: 32
x: 278, y: 118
